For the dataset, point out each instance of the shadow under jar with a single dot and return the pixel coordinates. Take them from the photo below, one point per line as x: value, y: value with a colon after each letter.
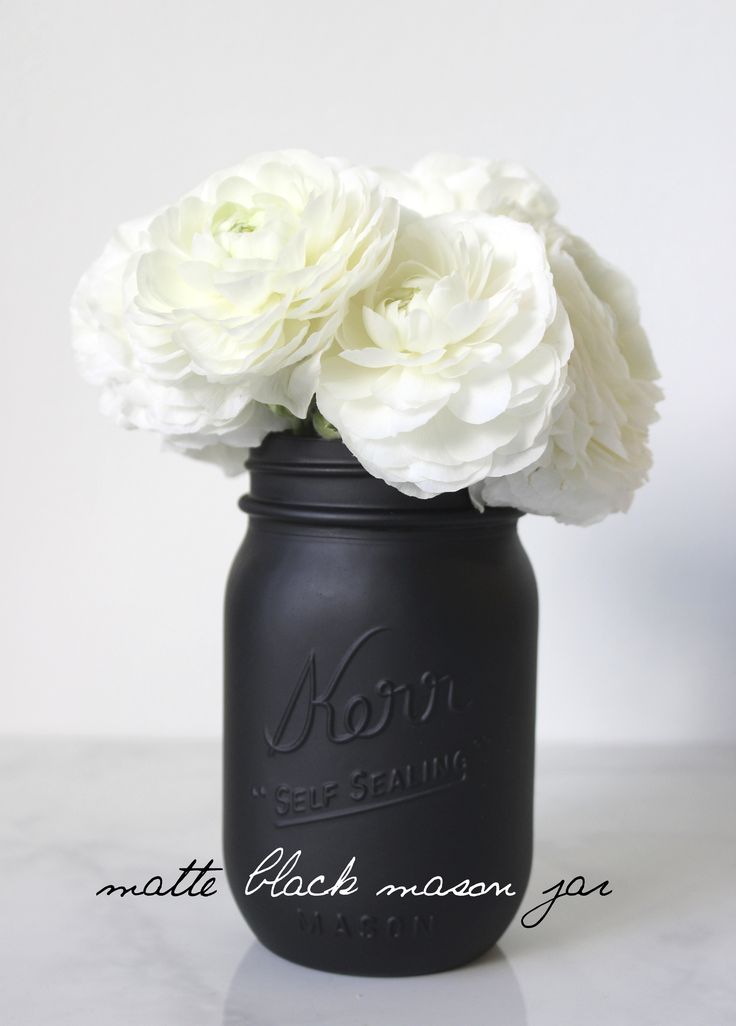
x: 380, y: 663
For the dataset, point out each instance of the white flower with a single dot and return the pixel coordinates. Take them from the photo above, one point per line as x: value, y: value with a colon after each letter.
x: 226, y: 300
x: 447, y: 369
x: 597, y: 453
x: 441, y: 183
x: 191, y: 414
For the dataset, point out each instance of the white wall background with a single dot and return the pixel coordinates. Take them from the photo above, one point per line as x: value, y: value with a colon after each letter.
x: 114, y: 556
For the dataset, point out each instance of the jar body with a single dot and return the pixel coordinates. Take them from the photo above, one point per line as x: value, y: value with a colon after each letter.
x: 380, y: 661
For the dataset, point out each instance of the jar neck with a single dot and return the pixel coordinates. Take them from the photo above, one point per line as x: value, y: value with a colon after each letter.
x: 316, y: 480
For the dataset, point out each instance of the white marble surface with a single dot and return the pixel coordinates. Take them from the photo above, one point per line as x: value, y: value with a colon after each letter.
x: 661, y: 950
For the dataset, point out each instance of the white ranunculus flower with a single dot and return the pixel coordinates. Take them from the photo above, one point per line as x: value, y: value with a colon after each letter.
x: 597, y: 454
x: 222, y: 304
x: 212, y: 421
x: 441, y: 183
x: 448, y: 368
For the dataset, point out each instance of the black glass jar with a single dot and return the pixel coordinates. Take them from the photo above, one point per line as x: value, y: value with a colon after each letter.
x: 380, y: 662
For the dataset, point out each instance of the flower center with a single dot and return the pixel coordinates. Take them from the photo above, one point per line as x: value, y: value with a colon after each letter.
x: 235, y: 218
x: 401, y: 298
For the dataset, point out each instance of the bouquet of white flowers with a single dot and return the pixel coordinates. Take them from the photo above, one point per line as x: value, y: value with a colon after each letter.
x: 442, y: 323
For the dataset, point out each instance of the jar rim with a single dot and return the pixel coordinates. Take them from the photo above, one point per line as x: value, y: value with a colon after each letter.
x: 318, y: 480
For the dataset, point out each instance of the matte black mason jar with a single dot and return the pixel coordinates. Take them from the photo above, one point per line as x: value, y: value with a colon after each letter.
x: 380, y: 660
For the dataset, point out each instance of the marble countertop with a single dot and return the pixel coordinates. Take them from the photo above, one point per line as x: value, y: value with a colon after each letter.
x: 658, y: 823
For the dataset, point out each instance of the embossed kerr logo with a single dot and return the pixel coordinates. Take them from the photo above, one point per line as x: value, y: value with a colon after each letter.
x: 360, y: 715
